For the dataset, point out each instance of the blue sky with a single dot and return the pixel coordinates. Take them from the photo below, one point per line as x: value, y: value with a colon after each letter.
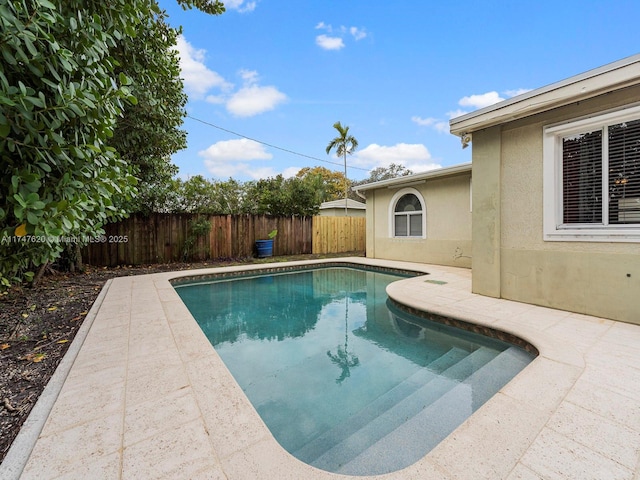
x: 284, y: 71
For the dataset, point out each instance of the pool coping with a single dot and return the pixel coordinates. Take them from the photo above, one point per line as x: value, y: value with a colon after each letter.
x: 193, y: 396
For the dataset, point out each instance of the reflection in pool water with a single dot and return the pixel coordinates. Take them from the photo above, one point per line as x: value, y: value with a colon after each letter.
x: 340, y: 377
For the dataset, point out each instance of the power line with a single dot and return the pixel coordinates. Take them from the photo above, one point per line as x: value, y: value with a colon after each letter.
x: 273, y: 146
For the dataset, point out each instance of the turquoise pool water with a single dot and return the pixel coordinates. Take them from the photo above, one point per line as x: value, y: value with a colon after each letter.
x: 343, y: 380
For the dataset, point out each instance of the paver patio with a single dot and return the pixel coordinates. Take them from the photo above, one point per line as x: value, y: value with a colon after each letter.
x: 148, y: 397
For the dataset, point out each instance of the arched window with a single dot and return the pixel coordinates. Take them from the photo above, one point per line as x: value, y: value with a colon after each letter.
x: 408, y: 218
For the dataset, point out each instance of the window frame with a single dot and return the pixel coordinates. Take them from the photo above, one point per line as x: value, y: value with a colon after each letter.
x: 392, y: 214
x: 553, y: 229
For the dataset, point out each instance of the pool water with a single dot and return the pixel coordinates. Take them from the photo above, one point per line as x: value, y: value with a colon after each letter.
x: 344, y: 381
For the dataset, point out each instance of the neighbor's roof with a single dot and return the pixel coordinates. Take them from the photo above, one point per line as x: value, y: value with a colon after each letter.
x: 340, y: 204
x: 416, y: 178
x: 610, y: 77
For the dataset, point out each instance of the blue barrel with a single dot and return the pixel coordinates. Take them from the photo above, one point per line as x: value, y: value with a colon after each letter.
x: 265, y: 248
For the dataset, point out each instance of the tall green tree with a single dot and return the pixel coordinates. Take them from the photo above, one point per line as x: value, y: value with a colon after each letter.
x: 331, y: 184
x: 199, y: 195
x: 394, y: 170
x: 148, y: 132
x: 344, y: 144
x: 67, y: 72
x: 59, y: 98
x: 283, y: 197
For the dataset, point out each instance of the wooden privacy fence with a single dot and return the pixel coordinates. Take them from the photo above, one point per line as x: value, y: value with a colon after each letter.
x: 164, y: 238
x: 338, y: 234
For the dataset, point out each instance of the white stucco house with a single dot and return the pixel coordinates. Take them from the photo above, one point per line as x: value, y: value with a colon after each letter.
x: 425, y: 217
x: 555, y: 204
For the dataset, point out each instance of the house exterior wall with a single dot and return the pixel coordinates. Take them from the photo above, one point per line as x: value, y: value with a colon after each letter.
x: 448, y: 224
x: 595, y: 278
x: 486, y: 212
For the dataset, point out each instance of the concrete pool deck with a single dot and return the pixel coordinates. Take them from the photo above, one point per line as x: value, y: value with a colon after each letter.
x: 147, y: 396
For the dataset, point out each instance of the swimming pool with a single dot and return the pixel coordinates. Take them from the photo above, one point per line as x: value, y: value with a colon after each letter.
x: 344, y: 380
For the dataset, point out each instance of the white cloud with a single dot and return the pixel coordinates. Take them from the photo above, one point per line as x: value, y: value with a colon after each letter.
x: 229, y: 158
x: 456, y: 113
x: 481, y: 100
x: 215, y: 99
x: 516, y: 92
x: 233, y: 150
x: 253, y: 99
x: 485, y: 100
x: 335, y: 39
x: 198, y: 79
x: 249, y: 100
x: 291, y: 172
x: 473, y: 101
x: 329, y: 43
x: 357, y: 33
x: 423, y: 122
x: 415, y: 156
x: 239, y: 170
x: 250, y: 77
x: 438, y: 125
x: 240, y: 5
x: 441, y: 127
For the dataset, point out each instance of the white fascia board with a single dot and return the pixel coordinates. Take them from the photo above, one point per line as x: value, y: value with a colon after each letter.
x: 416, y: 177
x: 610, y: 77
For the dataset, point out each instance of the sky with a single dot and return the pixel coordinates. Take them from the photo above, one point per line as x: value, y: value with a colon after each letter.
x: 268, y: 79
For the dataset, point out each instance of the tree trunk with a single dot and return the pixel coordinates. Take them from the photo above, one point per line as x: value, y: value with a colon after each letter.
x: 39, y: 274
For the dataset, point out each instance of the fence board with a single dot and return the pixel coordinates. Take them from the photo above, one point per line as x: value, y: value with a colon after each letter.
x: 160, y: 238
x: 338, y: 234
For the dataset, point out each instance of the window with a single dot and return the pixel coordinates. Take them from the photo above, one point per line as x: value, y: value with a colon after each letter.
x: 408, y: 215
x: 592, y: 178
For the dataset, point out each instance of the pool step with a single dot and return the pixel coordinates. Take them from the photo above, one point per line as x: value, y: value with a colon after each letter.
x: 401, y: 412
x: 313, y: 411
x: 398, y: 408
x: 325, y: 441
x: 411, y: 440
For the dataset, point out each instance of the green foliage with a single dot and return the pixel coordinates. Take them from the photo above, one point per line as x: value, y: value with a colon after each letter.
x: 148, y: 132
x: 331, y: 184
x: 90, y: 98
x: 344, y: 144
x: 285, y: 197
x: 272, y: 196
x: 214, y: 7
x: 59, y: 100
x: 198, y: 229
x: 381, y: 173
x: 384, y: 173
x: 199, y: 195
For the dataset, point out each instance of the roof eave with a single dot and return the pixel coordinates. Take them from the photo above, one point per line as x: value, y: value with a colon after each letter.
x: 416, y: 177
x: 614, y: 76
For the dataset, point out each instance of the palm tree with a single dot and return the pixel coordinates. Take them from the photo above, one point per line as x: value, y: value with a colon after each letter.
x: 344, y: 144
x: 343, y: 358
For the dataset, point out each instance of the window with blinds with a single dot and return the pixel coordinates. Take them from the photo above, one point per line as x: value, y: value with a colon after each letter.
x: 624, y: 173
x: 601, y: 176
x: 582, y: 178
x: 591, y: 178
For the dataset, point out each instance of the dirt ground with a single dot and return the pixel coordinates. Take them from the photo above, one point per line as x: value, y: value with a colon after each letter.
x: 38, y: 324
